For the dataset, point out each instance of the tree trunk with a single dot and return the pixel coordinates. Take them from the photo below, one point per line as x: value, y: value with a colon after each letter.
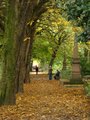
x: 53, y: 55
x: 55, y: 50
x: 64, y: 62
x: 7, y: 86
x: 23, y: 16
x: 30, y: 12
x: 30, y: 33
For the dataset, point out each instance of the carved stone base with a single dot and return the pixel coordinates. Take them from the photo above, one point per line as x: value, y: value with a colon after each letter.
x: 76, y: 81
x: 72, y: 81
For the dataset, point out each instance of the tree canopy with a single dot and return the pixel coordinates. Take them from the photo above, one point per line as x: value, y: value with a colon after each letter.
x: 42, y: 29
x: 79, y: 12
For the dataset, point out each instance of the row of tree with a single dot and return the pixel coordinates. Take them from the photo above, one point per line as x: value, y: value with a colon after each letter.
x: 20, y: 21
x: 52, y: 36
x: 68, y: 13
x: 18, y: 28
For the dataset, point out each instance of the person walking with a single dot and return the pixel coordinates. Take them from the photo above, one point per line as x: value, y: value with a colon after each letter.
x: 50, y: 73
x: 36, y: 69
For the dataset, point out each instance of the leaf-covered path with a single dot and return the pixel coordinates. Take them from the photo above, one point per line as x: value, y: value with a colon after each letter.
x: 48, y: 100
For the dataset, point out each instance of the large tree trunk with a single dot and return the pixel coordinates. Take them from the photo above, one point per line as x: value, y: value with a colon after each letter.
x: 25, y: 10
x: 30, y: 33
x: 30, y: 13
x: 7, y: 83
x: 23, y: 16
x: 39, y: 9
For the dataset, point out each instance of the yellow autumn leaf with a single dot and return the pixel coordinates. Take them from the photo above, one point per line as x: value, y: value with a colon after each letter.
x: 30, y: 22
x: 38, y: 29
x: 27, y: 38
x: 75, y: 29
x: 43, y: 99
x: 50, y: 10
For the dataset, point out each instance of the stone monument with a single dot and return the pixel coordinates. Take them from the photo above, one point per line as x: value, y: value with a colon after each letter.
x: 76, y: 74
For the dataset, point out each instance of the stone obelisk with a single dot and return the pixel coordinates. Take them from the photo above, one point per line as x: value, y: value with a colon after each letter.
x: 76, y: 74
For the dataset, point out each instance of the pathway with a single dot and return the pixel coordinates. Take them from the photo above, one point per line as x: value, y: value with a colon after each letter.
x: 48, y: 100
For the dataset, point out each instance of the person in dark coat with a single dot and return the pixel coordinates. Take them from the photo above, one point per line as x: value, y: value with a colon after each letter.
x: 36, y: 69
x: 57, y: 75
x: 50, y: 73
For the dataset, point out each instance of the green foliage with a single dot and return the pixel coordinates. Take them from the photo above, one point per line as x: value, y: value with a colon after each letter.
x: 41, y: 49
x: 84, y: 51
x: 85, y: 66
x: 79, y: 11
x: 51, y: 34
x: 87, y: 88
x: 66, y: 74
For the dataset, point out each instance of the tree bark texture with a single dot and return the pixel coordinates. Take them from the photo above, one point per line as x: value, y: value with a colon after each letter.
x: 7, y: 85
x: 29, y: 12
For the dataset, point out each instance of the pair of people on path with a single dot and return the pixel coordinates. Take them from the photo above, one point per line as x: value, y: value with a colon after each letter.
x: 56, y: 76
